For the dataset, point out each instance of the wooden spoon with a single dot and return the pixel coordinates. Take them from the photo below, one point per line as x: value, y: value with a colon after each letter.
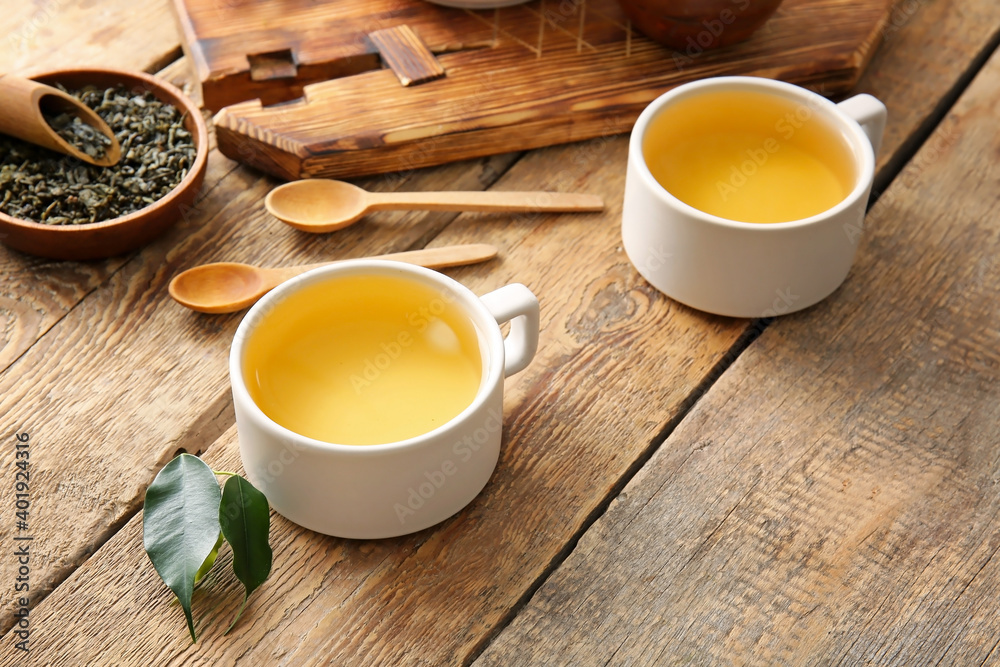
x: 225, y: 287
x: 21, y: 104
x: 319, y: 205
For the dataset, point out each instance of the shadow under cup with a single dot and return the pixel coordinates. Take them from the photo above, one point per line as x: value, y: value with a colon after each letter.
x: 745, y: 196
x: 385, y: 488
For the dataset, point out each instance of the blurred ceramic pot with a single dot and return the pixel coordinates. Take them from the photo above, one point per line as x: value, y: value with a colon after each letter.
x: 698, y: 24
x: 477, y: 4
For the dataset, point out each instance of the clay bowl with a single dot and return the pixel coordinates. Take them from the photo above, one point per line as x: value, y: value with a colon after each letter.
x: 694, y: 26
x: 477, y: 4
x: 113, y: 237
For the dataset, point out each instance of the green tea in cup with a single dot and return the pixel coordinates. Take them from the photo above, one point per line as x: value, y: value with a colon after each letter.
x: 364, y: 360
x: 749, y: 156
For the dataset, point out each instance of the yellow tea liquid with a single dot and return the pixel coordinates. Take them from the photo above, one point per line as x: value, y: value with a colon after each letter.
x: 749, y: 156
x: 363, y: 360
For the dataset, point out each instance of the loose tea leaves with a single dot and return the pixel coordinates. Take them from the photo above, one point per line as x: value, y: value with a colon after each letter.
x: 157, y: 152
x: 81, y: 136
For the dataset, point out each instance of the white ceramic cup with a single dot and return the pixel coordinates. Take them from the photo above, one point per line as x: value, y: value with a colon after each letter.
x: 375, y: 491
x: 744, y: 269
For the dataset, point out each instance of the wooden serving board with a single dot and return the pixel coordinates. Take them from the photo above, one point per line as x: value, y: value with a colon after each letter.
x: 309, y: 93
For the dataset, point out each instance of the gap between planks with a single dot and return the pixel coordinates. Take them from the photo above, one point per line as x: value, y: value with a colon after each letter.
x: 911, y: 144
x: 202, y: 439
x: 749, y: 335
x: 219, y: 416
x: 883, y: 179
x: 166, y: 60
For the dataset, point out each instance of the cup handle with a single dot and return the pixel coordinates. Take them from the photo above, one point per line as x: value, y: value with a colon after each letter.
x: 870, y: 114
x: 515, y: 304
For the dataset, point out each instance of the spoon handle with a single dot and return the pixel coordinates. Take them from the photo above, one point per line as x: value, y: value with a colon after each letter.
x: 431, y: 258
x: 491, y: 201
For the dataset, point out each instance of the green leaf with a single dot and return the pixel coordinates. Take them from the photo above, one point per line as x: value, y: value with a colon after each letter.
x: 209, y: 562
x: 246, y: 524
x: 180, y: 525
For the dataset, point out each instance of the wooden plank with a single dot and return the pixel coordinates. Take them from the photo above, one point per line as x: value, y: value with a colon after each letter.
x: 406, y: 55
x: 504, y: 98
x: 832, y: 499
x: 79, y: 493
x: 422, y: 561
x: 41, y: 35
x: 598, y: 317
x: 161, y: 370
x: 35, y: 292
x: 326, y: 41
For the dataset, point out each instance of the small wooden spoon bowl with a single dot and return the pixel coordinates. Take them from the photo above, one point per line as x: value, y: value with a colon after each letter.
x: 114, y: 237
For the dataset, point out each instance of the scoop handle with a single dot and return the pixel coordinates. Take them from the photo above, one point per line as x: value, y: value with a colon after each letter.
x: 488, y: 201
x: 432, y: 258
x: 21, y: 117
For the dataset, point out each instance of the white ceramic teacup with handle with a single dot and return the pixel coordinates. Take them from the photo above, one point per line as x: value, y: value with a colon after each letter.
x: 384, y: 490
x: 750, y: 269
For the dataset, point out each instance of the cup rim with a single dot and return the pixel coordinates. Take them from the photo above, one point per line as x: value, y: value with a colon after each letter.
x: 860, y: 146
x: 471, y: 305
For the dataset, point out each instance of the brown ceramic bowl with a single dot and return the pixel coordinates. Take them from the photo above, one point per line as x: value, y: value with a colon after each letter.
x: 693, y: 26
x: 113, y: 237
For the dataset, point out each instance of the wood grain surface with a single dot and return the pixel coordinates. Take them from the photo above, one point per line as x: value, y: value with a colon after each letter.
x: 127, y: 377
x: 258, y: 50
x: 317, y: 41
x: 833, y: 498
x: 550, y: 475
x: 55, y: 34
x: 559, y: 72
x: 36, y: 38
x: 121, y: 377
x: 112, y: 378
x: 36, y: 292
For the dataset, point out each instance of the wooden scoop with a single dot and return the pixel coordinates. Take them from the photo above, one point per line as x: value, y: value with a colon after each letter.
x: 21, y: 104
x: 320, y: 205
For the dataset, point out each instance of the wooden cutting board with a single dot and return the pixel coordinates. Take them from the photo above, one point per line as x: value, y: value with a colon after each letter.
x: 345, y: 88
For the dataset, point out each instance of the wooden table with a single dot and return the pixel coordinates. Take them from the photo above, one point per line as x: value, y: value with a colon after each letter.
x: 674, y: 488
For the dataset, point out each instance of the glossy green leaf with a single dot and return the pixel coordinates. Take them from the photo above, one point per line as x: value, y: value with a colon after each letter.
x: 209, y: 562
x: 180, y: 525
x: 246, y: 524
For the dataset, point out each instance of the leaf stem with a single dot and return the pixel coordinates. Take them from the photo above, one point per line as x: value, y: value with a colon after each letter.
x: 238, y: 614
x: 225, y: 472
